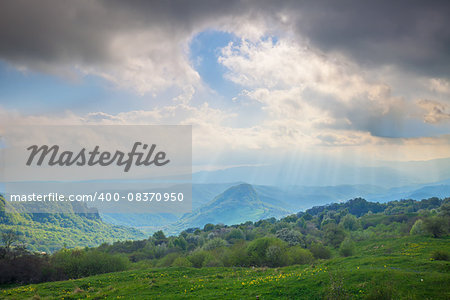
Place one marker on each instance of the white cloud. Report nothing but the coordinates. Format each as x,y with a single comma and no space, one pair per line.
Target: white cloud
439,85
296,81
146,61
435,112
287,63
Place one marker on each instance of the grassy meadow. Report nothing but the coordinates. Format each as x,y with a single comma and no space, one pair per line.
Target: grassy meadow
396,268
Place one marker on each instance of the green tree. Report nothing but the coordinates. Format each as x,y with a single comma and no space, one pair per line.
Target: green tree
197,258
208,227
181,262
320,251
214,243
435,226
258,250
418,228
347,248
349,222
292,237
275,256
159,237
235,234
333,235
9,238
298,256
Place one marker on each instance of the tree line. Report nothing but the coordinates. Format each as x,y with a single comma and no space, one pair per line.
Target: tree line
315,234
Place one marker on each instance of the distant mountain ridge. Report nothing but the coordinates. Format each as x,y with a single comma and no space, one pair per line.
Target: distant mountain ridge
274,201
235,205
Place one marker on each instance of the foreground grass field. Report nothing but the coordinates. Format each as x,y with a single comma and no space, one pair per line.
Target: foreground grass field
381,269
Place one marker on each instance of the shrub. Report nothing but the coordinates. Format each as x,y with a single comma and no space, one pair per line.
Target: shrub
81,263
347,248
440,255
349,222
298,256
159,250
181,262
258,251
211,261
417,228
197,258
292,237
435,226
235,234
168,260
214,243
27,268
333,235
274,256
320,251
236,256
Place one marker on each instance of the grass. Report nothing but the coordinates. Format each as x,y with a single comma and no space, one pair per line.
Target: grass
399,268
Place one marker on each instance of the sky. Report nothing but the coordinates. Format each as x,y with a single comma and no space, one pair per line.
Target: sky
259,81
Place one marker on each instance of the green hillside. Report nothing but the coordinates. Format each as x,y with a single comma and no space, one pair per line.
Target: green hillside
48,231
351,250
380,269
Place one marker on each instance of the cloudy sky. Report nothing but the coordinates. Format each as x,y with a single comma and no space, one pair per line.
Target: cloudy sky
354,80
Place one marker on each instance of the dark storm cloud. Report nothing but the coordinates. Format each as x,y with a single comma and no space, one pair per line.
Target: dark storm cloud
46,32
411,34
54,31
365,116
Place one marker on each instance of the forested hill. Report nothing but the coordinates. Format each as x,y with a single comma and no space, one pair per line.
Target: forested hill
49,232
319,231
360,206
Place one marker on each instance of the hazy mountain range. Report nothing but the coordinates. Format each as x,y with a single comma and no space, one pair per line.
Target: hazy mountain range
318,172
241,194
232,203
